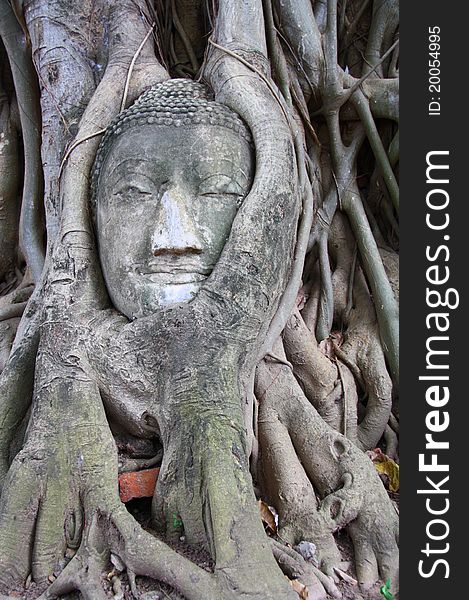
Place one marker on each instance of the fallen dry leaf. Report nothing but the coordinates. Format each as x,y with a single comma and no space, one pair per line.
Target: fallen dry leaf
299,588
267,516
386,465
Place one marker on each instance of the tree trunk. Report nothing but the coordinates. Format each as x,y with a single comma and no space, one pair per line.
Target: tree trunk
267,382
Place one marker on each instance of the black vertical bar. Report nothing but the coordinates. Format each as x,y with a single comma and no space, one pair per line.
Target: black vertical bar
433,119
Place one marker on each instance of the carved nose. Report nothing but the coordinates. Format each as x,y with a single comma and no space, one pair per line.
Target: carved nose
175,231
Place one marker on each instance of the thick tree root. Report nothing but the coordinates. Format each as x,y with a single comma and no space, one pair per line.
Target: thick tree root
35,496
295,567
62,488
141,554
61,492
358,354
309,454
205,491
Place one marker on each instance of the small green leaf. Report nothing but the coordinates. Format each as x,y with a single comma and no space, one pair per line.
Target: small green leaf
177,522
385,590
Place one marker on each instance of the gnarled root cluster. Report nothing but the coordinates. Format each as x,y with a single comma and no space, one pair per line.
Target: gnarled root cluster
60,498
320,481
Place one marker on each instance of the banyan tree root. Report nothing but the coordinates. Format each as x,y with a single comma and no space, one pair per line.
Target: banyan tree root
320,482
61,492
27,93
330,373
295,566
327,383
61,489
12,307
362,343
204,490
75,477
10,179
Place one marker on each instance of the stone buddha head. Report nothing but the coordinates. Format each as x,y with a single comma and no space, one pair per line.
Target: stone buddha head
169,177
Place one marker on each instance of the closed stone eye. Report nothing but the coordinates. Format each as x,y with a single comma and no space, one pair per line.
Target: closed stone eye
220,184
131,191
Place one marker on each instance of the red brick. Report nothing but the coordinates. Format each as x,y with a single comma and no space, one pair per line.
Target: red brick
137,484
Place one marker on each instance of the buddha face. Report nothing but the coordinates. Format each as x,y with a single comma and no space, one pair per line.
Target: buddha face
167,197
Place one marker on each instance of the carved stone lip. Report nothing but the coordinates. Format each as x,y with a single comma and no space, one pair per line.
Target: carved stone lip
179,278
177,269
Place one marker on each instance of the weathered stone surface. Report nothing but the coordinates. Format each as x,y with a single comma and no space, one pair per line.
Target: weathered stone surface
169,178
